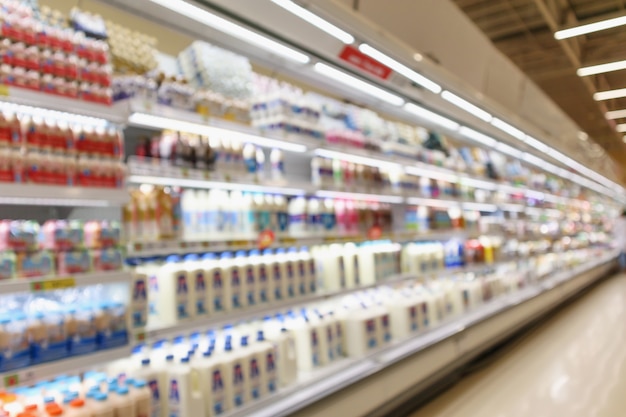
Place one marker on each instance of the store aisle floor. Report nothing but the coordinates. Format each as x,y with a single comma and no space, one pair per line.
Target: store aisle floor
574,365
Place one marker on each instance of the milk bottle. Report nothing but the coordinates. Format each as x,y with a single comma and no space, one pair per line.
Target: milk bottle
235,361
211,372
311,268
282,215
404,315
233,288
142,398
326,331
254,370
297,216
286,262
261,276
124,404
215,282
307,338
269,362
351,262
184,397
361,330
333,267
302,271
248,273
276,276
101,406
150,378
196,274
284,346
173,292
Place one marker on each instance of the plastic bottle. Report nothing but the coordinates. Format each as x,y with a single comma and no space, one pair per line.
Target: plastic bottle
278,166
184,396
101,406
262,274
275,276
361,331
281,210
284,345
306,339
233,286
142,398
249,158
264,214
216,283
190,208
260,164
254,370
280,269
351,262
314,217
151,383
211,371
249,273
235,362
328,217
196,275
212,213
124,404
173,293
310,266
297,216
302,271
326,336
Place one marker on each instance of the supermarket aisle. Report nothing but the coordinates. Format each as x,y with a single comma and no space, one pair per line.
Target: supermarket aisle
574,365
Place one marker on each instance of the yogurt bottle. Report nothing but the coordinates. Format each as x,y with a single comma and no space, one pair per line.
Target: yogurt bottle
198,280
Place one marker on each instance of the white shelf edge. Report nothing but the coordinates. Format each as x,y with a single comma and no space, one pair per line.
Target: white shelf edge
40,194
93,278
49,370
331,379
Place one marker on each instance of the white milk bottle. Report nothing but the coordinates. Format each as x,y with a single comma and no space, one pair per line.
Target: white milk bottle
314,217
173,292
367,265
307,342
351,262
142,398
311,268
404,315
211,372
260,274
255,372
196,275
151,379
284,346
213,215
282,215
233,288
361,330
276,276
124,404
297,217
249,277
302,272
235,362
269,361
288,262
138,307
215,282
101,406
184,397
334,271
327,333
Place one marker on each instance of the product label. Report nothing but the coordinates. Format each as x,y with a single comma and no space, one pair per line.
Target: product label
330,340
174,400
297,219
370,333
236,287
278,279
302,277
182,296
255,379
329,221
55,284
153,385
466,299
217,389
263,283
413,319
270,371
357,272
290,280
338,339
139,301
238,384
342,272
283,221
386,328
315,356
200,285
312,276
425,314
250,285
218,290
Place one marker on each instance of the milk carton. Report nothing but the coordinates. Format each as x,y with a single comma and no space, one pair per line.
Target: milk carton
215,280
234,297
249,277
184,398
198,280
211,373
235,362
173,292
284,345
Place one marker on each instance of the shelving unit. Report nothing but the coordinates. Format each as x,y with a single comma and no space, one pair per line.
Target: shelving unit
20,285
51,195
46,371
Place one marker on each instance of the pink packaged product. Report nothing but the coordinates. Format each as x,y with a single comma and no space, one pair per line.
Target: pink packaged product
73,262
18,235
62,235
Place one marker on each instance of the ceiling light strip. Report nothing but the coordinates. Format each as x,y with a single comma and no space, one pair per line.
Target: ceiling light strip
431,116
207,185
358,159
508,128
467,106
358,84
478,137
315,20
361,197
615,114
216,22
158,122
609,94
46,114
590,28
601,69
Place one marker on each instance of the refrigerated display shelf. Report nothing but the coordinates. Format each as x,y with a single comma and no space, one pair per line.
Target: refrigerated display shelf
60,195
19,285
155,333
319,384
50,370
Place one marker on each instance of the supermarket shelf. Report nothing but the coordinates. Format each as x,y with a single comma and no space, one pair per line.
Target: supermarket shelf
46,371
324,382
43,100
206,323
50,195
249,242
60,282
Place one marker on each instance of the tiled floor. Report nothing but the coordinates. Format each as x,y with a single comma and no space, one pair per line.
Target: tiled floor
574,365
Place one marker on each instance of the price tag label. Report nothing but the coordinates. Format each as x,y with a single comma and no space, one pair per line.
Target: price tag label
140,337
11,380
51,285
4,90
238,244
288,241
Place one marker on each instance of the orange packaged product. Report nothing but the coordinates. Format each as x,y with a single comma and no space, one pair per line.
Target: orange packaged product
10,132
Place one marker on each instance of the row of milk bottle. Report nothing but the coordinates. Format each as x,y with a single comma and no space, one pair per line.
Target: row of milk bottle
344,266
181,288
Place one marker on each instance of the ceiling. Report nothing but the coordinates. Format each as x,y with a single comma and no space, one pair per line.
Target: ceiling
523,30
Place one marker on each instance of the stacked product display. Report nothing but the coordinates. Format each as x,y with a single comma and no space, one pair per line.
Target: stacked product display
257,237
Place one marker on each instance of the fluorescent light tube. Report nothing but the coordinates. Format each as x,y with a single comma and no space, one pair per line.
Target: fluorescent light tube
429,173
158,122
203,184
467,106
417,201
51,202
507,128
400,68
316,21
615,114
206,18
535,143
590,28
621,128
359,196
602,68
431,116
509,150
358,84
357,159
478,137
610,94
46,114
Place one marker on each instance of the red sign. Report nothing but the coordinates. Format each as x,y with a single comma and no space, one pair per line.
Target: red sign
370,65
266,239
